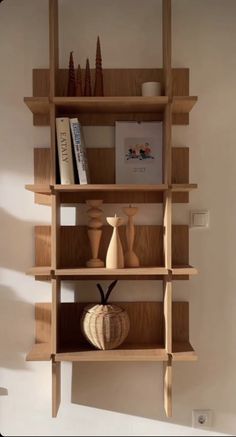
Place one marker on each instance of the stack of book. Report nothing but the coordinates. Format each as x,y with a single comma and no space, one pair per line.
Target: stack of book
72,155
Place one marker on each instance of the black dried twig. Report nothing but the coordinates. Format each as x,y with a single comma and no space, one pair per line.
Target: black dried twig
105,297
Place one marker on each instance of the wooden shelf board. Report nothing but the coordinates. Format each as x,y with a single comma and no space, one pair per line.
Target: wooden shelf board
37,105
124,353
76,188
181,188
39,352
39,271
103,272
109,187
184,270
183,104
112,104
183,351
117,104
40,189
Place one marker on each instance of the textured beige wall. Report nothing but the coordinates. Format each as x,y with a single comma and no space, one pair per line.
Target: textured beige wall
121,399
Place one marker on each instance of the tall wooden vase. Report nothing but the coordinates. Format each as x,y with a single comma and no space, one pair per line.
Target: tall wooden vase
131,259
115,256
94,232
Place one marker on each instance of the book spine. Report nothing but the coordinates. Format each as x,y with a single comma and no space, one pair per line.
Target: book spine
80,151
64,148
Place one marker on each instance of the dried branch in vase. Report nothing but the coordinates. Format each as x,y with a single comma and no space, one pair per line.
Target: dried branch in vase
87,84
98,86
71,88
79,88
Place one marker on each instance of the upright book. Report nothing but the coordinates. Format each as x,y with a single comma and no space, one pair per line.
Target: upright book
64,148
80,151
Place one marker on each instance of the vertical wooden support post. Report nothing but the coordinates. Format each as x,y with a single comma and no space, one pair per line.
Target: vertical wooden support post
56,367
55,228
53,69
168,387
56,387
56,300
55,231
53,47
167,202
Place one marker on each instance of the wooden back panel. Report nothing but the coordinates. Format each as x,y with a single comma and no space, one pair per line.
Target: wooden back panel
75,249
117,82
101,163
146,323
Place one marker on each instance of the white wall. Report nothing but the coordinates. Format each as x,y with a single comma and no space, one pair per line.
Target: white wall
121,399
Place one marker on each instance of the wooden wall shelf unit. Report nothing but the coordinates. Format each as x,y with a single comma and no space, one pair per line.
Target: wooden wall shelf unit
159,330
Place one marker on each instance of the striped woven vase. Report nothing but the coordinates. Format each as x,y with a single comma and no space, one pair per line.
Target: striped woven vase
105,326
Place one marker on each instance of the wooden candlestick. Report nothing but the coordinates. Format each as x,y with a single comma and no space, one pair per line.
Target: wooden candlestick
94,232
115,256
79,88
87,80
71,88
131,259
98,85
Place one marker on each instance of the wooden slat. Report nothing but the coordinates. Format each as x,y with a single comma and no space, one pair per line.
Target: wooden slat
146,332
103,272
183,351
167,291
42,247
55,231
105,157
75,237
184,270
117,81
167,235
183,187
123,104
183,105
180,246
53,47
40,352
168,387
56,387
56,299
109,187
39,271
43,320
133,353
53,148
166,44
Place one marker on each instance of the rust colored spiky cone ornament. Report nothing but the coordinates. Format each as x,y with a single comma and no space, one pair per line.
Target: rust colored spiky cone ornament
79,89
87,84
98,86
71,89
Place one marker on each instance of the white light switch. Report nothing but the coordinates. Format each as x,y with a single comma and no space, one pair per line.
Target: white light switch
199,219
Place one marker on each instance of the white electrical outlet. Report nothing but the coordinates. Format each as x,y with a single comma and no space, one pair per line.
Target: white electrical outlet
202,418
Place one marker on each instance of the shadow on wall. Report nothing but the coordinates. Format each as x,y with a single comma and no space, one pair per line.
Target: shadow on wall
3,391
15,326
121,387
14,235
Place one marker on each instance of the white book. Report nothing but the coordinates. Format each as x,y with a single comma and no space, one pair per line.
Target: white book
80,151
64,148
139,153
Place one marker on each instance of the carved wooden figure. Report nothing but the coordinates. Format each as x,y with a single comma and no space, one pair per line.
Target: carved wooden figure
87,81
131,259
115,256
94,232
98,86
79,87
71,88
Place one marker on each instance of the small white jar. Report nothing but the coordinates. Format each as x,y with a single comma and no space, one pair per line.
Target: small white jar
150,89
